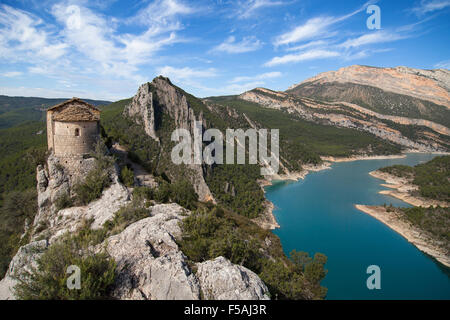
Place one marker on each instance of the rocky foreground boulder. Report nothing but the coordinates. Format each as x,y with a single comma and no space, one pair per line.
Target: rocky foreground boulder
24,259
222,280
151,266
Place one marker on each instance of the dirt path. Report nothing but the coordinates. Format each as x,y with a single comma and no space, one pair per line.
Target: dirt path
141,176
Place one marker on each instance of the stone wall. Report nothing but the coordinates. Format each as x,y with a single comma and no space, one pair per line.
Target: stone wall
74,138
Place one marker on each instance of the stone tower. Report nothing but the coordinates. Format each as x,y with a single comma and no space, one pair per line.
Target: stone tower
72,129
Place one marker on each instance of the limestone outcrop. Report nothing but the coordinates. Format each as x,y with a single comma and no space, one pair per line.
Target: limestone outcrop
161,96
54,181
430,85
350,115
222,280
23,260
150,264
142,111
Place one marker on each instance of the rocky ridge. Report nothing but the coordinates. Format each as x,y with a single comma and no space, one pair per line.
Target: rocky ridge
342,114
150,264
161,96
431,85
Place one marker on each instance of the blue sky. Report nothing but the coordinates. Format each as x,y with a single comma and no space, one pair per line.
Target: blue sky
104,49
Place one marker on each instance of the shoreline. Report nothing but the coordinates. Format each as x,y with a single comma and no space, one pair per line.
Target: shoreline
268,220
401,189
357,158
412,234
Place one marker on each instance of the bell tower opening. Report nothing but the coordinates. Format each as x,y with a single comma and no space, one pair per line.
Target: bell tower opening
77,132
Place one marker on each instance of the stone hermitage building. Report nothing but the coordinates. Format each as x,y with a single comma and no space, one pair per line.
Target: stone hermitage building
73,128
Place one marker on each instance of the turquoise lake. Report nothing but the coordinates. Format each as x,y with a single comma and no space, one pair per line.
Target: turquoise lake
317,214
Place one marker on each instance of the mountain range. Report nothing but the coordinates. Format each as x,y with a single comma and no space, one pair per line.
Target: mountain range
356,111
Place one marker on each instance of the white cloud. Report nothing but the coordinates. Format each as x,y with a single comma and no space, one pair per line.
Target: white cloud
314,28
106,51
231,46
302,56
186,73
430,6
23,34
248,8
311,44
241,87
371,38
12,74
162,12
259,77
80,45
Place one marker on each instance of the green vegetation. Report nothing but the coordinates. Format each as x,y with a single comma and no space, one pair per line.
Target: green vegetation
127,176
21,149
234,187
180,192
303,141
211,231
435,221
97,179
92,186
399,170
18,207
432,177
48,280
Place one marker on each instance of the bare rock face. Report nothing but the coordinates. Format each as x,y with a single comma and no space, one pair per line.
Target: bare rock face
23,260
222,280
142,110
355,117
98,211
151,266
161,96
431,85
53,181
150,263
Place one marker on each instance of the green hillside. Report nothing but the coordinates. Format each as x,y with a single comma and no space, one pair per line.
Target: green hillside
305,141
375,99
16,110
432,177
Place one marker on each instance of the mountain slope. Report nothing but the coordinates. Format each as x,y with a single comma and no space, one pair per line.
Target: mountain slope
416,134
400,91
147,121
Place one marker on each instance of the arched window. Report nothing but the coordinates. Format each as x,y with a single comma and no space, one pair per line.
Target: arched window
77,132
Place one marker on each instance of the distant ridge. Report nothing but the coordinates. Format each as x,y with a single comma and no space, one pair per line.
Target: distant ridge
15,109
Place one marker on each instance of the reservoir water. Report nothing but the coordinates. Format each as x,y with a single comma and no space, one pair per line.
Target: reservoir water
317,214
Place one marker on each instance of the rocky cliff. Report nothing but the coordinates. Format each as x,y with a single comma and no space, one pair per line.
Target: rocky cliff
161,98
430,85
150,264
428,136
